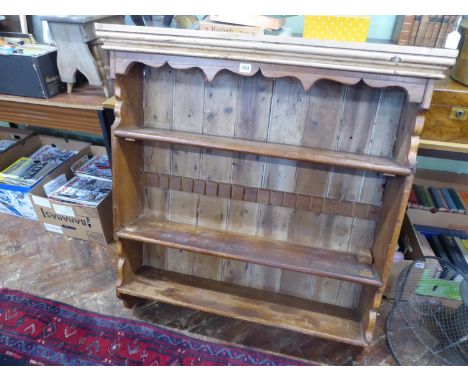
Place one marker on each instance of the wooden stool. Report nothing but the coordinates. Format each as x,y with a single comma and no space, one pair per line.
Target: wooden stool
78,49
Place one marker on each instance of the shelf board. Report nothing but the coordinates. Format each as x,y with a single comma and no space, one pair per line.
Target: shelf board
252,249
278,150
287,312
456,147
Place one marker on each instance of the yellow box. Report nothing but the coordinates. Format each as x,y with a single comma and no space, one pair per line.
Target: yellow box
338,28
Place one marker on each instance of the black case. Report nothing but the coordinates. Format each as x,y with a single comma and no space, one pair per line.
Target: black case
29,76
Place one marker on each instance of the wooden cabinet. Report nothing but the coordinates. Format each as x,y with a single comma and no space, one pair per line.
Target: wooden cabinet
267,179
446,126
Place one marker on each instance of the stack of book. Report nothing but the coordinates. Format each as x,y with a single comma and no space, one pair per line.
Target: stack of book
448,244
438,199
424,30
27,171
90,185
5,143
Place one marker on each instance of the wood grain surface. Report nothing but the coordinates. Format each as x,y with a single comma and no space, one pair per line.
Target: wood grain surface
439,126
84,97
215,297
256,110
278,254
239,154
339,158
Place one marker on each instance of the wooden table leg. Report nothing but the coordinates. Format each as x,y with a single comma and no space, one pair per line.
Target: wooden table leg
106,118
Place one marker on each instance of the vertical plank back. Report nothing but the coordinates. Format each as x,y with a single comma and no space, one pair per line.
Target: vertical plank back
358,113
158,101
187,106
385,127
219,118
329,115
287,118
253,116
321,130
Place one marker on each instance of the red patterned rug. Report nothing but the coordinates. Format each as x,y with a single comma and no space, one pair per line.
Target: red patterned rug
38,331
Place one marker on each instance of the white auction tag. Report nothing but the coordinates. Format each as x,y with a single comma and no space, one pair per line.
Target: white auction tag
63,210
41,201
53,228
245,68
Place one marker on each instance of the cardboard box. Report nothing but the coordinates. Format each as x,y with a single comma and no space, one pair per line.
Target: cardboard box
15,200
30,70
415,245
17,135
73,220
220,27
392,281
439,219
264,22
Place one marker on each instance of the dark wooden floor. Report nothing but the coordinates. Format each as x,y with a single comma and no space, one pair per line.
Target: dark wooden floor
82,274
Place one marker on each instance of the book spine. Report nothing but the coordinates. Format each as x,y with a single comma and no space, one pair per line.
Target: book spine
419,195
440,42
429,31
428,230
448,199
438,199
453,252
462,248
422,30
465,243
405,31
412,200
464,198
456,200
437,24
424,198
428,197
397,28
439,251
414,30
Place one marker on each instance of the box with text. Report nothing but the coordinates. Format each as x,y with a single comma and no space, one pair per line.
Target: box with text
92,223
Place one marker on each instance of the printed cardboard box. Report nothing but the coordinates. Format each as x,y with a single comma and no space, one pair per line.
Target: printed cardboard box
73,220
15,200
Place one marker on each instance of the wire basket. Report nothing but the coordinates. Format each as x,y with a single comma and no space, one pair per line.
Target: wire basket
428,324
